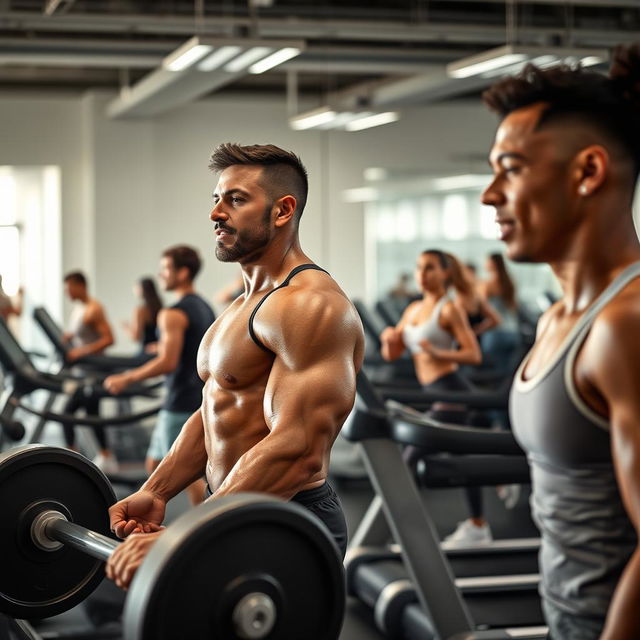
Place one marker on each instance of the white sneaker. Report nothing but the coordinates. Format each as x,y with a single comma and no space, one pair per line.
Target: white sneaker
469,534
509,494
106,464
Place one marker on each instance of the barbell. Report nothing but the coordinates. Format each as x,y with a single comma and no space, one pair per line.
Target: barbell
247,566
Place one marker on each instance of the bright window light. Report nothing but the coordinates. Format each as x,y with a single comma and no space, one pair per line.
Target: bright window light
8,205
455,223
386,224
274,59
488,226
219,57
247,58
430,217
10,259
186,55
374,120
406,221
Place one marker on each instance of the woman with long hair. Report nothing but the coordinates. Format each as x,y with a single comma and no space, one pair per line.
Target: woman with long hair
481,314
502,344
143,327
438,335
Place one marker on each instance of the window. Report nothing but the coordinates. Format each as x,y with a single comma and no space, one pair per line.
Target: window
9,233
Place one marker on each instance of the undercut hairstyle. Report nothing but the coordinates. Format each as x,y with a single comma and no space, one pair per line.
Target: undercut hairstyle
282,171
609,104
76,277
184,256
441,255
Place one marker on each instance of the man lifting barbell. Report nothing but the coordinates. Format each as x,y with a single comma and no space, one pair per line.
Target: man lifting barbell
279,364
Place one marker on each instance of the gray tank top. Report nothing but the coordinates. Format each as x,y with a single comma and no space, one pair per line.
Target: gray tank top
587,537
82,333
413,334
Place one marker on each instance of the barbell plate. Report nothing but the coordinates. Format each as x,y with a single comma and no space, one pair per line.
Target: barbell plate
212,556
35,583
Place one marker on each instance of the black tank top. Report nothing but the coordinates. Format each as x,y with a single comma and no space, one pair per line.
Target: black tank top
149,333
294,271
184,386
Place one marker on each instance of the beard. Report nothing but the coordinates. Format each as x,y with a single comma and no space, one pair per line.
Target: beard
249,243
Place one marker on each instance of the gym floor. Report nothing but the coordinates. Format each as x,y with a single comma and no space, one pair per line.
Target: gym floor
447,507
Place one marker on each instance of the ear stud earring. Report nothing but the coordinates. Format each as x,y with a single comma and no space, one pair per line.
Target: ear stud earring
583,190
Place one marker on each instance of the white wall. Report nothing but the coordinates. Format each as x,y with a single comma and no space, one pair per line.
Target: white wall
131,188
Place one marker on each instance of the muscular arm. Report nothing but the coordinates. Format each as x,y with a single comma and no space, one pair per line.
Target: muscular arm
613,356
310,391
185,462
96,318
172,323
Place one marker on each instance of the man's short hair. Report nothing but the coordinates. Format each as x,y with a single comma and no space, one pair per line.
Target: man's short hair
76,277
283,172
609,104
184,256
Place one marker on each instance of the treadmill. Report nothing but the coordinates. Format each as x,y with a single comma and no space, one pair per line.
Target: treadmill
412,586
99,362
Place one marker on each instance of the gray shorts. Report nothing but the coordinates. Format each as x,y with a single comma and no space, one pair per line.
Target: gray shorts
569,626
165,432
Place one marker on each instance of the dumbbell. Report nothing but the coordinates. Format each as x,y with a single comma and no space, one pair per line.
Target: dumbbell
242,567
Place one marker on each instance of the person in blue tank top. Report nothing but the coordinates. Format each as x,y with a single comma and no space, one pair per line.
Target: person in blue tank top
180,328
279,365
565,159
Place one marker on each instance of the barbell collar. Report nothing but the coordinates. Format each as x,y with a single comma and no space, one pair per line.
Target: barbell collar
50,528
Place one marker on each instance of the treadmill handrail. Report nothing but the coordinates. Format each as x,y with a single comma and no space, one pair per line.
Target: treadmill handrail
410,427
88,421
478,399
98,360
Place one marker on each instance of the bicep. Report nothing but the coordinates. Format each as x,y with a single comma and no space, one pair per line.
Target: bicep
311,385
101,324
172,325
309,404
612,356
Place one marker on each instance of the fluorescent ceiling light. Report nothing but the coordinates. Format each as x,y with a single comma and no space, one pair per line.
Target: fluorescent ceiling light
342,117
312,119
374,120
186,54
247,58
488,61
219,57
274,59
589,61
512,58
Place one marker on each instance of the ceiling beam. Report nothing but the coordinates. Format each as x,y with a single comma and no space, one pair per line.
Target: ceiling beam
334,30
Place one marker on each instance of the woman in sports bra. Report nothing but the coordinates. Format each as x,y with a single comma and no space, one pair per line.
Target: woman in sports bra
437,333
433,329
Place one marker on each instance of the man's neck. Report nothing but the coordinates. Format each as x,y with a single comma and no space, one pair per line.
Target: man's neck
184,290
272,267
594,258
